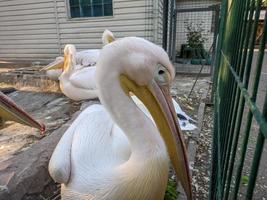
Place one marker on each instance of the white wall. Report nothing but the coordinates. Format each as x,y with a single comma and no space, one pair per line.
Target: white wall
39,29
27,29
129,19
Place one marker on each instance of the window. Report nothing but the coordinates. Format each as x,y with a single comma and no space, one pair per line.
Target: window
90,8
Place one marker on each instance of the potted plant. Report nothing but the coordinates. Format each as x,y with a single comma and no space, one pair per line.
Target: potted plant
194,47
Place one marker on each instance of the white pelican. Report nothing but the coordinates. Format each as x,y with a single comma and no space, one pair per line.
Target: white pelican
83,59
10,111
115,151
86,58
73,73
73,77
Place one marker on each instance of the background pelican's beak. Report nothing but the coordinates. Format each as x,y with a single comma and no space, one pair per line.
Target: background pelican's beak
57,64
158,101
9,111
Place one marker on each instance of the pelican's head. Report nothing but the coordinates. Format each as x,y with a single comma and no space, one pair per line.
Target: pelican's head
69,57
9,111
108,37
145,70
63,63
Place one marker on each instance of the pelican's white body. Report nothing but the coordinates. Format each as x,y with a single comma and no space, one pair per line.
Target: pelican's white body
77,82
84,58
89,161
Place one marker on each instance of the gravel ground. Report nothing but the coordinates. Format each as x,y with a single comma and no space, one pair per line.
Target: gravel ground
201,171
201,166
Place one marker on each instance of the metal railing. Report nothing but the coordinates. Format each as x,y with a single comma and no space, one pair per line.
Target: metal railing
235,51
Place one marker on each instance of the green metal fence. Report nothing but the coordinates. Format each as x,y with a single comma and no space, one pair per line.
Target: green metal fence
239,20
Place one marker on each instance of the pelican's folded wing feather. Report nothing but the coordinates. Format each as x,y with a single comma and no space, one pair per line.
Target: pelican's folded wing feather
60,161
59,165
84,78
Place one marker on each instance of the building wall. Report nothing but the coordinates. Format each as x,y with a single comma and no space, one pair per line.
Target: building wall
27,29
206,18
39,29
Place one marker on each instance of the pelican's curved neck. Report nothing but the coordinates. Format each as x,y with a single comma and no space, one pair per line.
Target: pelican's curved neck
69,63
139,129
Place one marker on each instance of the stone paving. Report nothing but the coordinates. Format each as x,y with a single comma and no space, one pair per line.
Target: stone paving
49,108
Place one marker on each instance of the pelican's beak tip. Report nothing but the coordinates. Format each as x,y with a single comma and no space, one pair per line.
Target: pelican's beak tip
42,129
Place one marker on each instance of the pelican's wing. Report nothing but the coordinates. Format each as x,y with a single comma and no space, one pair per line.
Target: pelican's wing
87,57
60,162
84,78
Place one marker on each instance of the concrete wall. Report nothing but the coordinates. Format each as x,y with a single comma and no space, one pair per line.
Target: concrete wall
39,29
206,18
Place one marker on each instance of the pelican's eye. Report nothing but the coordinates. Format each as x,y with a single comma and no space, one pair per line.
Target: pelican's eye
162,76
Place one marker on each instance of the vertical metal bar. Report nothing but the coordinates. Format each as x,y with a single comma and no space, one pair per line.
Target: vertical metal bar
249,117
165,24
219,188
174,36
215,153
255,166
226,73
216,33
233,85
171,28
228,144
260,139
238,92
241,69
242,100
233,34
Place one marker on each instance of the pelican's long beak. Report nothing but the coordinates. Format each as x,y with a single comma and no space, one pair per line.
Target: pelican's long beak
9,111
158,101
57,64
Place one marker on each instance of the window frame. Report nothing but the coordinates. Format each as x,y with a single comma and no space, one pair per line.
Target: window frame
67,3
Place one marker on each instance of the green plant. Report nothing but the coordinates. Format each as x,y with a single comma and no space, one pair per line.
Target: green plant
264,3
195,35
171,193
244,180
